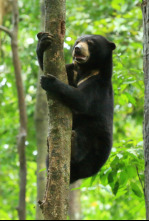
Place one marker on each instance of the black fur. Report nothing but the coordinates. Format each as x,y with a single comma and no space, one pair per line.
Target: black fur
91,102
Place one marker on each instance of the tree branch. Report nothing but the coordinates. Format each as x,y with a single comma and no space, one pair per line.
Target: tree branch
6,30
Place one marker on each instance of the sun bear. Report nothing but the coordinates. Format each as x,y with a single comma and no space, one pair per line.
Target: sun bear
90,97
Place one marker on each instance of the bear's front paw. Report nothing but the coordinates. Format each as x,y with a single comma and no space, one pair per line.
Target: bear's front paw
45,41
46,81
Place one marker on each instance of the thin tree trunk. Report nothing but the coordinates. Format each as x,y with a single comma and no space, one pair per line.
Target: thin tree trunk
75,201
1,12
22,109
55,203
145,8
1,17
41,123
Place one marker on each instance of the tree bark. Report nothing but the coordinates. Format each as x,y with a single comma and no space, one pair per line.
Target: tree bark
1,16
22,109
55,203
1,12
145,8
75,201
5,8
41,124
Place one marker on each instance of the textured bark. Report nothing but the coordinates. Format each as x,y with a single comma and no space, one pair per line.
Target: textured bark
145,8
75,202
55,203
22,109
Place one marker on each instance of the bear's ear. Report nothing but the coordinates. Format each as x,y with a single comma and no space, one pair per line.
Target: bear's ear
113,46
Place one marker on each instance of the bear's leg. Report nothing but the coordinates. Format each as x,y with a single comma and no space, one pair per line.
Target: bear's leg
79,146
95,158
86,168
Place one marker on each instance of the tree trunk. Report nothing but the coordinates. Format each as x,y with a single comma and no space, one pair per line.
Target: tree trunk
145,8
55,203
5,7
41,123
13,34
1,19
1,12
75,202
22,111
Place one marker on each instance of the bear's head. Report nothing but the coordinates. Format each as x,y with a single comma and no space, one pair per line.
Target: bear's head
92,51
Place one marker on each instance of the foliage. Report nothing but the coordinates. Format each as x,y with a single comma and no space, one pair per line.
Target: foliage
117,192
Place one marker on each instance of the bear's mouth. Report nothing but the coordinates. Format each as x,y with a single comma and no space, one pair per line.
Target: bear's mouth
81,53
80,58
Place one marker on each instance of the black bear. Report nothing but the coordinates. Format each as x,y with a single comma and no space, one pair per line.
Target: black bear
90,97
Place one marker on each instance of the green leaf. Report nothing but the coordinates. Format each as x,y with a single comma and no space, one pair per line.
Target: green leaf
136,190
116,188
110,178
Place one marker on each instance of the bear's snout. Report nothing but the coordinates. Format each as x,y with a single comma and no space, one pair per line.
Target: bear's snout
78,50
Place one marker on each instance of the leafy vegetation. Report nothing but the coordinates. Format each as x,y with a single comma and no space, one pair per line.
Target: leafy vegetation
117,192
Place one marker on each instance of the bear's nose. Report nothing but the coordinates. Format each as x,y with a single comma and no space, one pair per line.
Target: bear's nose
77,50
